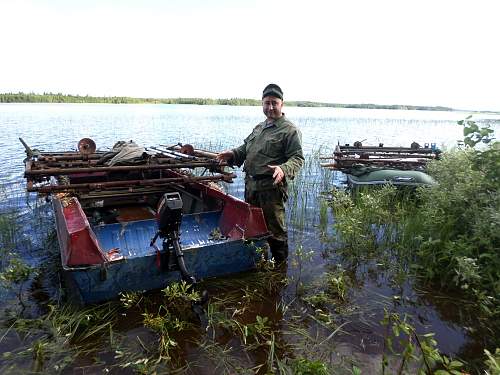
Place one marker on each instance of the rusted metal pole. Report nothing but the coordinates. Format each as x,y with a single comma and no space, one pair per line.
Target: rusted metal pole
383,160
29,151
384,149
123,168
129,183
76,157
201,153
378,155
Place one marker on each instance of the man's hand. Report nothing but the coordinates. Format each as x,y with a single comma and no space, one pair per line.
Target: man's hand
224,156
278,173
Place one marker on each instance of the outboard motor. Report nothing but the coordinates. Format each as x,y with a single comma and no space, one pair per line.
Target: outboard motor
169,214
169,218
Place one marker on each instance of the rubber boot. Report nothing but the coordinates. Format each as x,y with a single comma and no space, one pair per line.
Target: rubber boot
279,250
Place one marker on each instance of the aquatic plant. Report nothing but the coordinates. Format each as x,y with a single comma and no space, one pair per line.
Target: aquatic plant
16,272
130,299
492,362
300,259
418,353
366,223
8,230
51,342
180,291
164,323
303,366
337,283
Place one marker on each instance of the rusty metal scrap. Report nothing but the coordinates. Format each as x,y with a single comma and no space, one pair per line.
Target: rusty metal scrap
83,171
129,183
407,158
37,170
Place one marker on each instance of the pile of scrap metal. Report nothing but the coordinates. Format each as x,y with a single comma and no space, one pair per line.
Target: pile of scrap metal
126,167
376,165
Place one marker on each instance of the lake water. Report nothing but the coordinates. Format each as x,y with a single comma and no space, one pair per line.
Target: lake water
57,127
60,126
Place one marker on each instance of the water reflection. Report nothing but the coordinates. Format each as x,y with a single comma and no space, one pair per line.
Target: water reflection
60,126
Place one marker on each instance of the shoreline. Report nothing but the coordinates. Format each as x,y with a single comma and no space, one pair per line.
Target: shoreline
64,98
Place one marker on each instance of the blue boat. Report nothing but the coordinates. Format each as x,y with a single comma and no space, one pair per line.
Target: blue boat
133,228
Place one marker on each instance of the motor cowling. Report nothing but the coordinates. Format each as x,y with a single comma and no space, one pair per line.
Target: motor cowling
169,214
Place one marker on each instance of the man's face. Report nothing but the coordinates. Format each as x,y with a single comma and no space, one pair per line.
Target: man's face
272,107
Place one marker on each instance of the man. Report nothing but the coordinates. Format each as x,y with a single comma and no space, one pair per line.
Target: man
272,154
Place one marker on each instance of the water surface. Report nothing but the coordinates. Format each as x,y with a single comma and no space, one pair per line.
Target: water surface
57,127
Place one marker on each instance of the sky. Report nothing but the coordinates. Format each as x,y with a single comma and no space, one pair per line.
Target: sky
439,52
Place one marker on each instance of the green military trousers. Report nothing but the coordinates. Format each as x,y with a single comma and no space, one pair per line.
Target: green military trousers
272,202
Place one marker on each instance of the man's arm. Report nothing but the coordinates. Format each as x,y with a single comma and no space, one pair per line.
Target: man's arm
239,154
293,154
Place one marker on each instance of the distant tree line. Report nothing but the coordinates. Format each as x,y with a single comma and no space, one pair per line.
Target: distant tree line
21,97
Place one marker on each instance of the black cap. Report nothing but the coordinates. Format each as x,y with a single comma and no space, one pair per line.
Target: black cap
272,90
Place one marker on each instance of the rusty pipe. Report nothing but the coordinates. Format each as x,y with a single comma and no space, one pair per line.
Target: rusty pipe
124,168
128,183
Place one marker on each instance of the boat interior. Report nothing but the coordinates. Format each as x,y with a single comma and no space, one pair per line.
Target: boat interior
112,207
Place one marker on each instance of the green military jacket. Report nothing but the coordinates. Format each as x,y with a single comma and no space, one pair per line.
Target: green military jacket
278,143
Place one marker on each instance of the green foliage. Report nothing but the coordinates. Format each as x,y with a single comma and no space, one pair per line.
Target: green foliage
473,134
177,293
448,232
492,362
460,237
258,330
300,259
52,341
415,350
7,232
318,300
337,283
171,318
21,97
303,366
486,160
165,324
17,271
9,229
130,299
365,222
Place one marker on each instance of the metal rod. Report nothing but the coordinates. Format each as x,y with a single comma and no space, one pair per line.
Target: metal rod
382,149
47,157
380,160
129,183
124,168
175,153
375,155
197,152
29,151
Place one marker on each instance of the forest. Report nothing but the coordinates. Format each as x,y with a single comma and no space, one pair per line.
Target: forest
21,97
